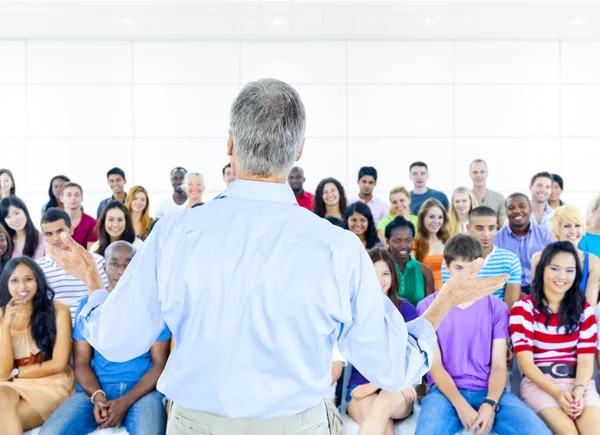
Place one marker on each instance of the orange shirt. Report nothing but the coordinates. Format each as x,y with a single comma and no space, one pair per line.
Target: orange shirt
435,264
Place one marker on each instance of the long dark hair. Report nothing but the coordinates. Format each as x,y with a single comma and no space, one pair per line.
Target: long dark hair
43,317
573,301
319,207
31,234
371,233
103,237
52,199
379,254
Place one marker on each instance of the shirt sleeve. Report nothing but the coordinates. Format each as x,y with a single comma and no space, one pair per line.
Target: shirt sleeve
126,323
387,351
515,271
588,332
76,333
91,236
337,355
446,274
521,326
597,312
502,208
500,329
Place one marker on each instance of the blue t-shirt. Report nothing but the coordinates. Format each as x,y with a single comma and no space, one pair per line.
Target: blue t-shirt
109,372
417,200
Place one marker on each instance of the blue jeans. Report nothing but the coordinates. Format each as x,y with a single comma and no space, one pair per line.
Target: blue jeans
76,416
438,416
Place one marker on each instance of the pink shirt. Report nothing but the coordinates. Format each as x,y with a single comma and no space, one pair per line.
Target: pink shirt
40,250
379,208
84,232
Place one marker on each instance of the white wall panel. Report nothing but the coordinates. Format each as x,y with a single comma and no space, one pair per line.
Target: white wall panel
13,110
12,62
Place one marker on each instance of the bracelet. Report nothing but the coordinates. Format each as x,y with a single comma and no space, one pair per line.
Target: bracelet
578,385
94,395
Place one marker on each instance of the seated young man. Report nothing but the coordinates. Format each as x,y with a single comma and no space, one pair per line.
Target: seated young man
110,394
483,224
468,374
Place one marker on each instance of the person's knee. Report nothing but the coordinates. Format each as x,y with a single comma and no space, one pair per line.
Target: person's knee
9,399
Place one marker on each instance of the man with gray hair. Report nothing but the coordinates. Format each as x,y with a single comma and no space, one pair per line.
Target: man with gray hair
256,291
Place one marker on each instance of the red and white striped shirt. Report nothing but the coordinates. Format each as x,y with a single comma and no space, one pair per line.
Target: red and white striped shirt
551,344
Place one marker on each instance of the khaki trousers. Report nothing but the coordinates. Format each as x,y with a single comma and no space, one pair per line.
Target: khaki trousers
184,421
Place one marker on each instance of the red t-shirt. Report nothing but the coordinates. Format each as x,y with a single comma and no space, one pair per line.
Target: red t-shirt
84,232
306,200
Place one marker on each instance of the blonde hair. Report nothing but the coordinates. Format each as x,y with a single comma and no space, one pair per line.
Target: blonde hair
145,220
422,237
395,190
565,213
595,204
453,219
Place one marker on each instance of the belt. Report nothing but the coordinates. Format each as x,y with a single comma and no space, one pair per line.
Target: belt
29,360
560,370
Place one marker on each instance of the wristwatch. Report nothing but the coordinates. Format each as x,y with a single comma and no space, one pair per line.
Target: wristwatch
15,373
495,406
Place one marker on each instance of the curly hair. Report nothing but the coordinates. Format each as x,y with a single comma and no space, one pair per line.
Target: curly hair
319,208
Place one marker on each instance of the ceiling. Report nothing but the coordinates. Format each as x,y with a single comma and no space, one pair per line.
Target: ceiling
332,20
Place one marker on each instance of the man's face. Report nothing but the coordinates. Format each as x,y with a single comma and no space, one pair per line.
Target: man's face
518,211
229,176
479,174
296,180
71,198
484,228
117,263
52,231
458,265
177,181
541,189
116,184
419,176
366,184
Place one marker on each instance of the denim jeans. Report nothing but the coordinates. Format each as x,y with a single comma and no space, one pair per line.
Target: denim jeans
76,416
438,416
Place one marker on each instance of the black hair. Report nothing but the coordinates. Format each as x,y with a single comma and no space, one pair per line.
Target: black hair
319,207
367,170
116,171
482,211
228,165
51,198
572,303
55,214
559,180
13,189
31,234
516,195
423,164
335,221
103,237
43,317
462,245
371,237
399,222
178,169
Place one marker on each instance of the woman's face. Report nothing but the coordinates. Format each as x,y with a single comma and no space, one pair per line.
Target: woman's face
139,202
556,191
5,184
434,219
331,194
3,244
462,203
571,232
194,187
559,274
401,243
400,203
15,219
358,224
22,284
385,276
115,223
56,185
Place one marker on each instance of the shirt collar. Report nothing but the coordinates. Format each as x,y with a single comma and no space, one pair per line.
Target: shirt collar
260,191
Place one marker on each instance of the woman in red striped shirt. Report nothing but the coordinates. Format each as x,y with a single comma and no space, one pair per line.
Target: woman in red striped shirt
554,334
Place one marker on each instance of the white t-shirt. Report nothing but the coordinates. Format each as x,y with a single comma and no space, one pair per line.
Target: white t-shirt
337,356
168,206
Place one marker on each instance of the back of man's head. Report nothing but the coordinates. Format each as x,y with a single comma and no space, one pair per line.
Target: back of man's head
463,247
119,245
267,125
55,214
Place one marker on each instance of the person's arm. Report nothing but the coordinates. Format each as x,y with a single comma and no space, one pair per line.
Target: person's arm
82,366
336,371
591,289
512,292
429,281
498,373
7,359
535,259
125,324
61,351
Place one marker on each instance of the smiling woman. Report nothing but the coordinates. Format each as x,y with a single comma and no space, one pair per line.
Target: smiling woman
26,240
114,224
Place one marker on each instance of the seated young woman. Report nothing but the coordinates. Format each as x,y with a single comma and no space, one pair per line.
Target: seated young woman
554,334
114,224
35,342
359,219
372,408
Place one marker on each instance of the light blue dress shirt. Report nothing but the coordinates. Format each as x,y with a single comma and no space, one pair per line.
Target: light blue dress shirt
256,290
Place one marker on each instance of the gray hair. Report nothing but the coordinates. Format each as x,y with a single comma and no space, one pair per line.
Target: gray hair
267,123
119,244
193,174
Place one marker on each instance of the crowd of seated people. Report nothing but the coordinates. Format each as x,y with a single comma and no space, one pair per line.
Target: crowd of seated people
417,239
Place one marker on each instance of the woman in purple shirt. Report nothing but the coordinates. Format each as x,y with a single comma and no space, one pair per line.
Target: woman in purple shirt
368,405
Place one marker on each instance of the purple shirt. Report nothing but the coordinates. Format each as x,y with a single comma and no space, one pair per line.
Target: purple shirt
409,313
378,207
465,339
534,241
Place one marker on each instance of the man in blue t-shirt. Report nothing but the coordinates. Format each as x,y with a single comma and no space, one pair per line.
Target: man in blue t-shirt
419,174
108,393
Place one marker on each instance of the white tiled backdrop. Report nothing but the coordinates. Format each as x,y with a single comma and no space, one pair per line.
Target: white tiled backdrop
81,107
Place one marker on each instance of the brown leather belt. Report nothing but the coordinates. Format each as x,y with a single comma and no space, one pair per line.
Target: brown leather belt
32,359
560,370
